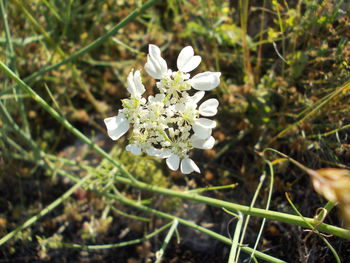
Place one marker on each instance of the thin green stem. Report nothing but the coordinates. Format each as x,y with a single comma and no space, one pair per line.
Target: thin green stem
280,22
12,143
213,188
119,212
161,251
257,191
347,126
7,31
282,217
121,244
235,247
267,204
315,230
52,9
244,8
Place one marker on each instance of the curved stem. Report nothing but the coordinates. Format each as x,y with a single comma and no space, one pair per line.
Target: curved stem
117,245
258,212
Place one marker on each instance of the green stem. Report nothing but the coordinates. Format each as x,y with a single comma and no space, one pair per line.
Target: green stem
122,244
234,253
160,253
267,204
119,212
315,230
11,124
280,22
257,191
282,217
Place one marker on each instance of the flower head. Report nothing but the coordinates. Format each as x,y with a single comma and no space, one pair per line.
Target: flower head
169,124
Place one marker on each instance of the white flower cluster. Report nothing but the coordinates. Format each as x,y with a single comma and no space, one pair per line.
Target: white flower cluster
169,124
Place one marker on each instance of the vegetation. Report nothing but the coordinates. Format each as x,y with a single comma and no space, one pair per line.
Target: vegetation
273,189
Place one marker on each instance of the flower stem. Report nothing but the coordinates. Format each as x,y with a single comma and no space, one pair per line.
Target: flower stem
268,214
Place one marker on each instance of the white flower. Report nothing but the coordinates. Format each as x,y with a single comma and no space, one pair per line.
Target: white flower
117,126
169,124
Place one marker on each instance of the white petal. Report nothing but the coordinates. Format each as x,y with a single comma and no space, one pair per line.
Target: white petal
117,126
205,81
173,162
159,153
197,96
151,151
201,132
206,123
204,144
188,166
131,85
135,86
209,107
186,60
140,88
203,128
163,154
134,149
156,66
150,69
